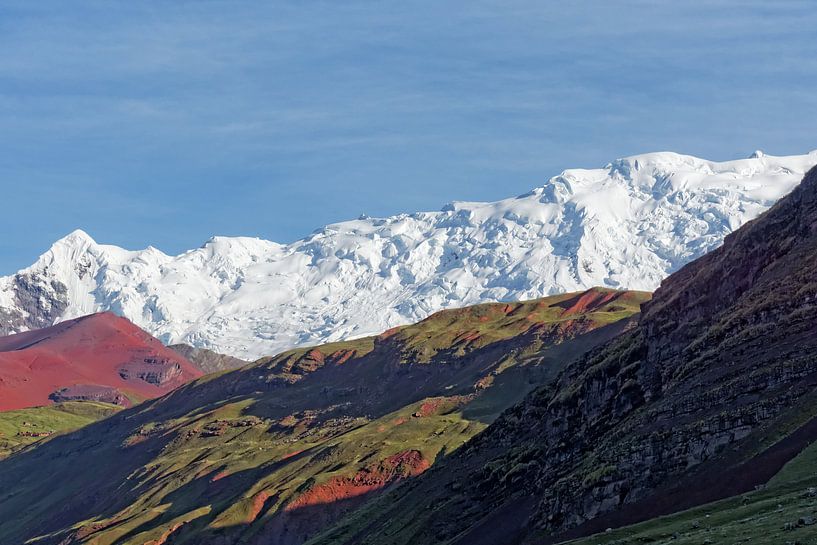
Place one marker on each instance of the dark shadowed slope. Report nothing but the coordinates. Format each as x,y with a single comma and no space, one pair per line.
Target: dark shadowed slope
709,396
99,357
276,451
784,511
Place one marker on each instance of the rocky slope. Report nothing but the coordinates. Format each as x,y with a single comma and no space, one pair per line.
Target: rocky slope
206,360
783,511
709,397
626,225
276,451
100,357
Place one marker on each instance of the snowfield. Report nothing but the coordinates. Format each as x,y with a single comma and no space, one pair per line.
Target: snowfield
627,225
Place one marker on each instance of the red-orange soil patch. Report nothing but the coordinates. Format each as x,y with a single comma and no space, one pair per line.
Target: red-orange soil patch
291,454
374,477
258,502
162,539
220,475
588,301
342,356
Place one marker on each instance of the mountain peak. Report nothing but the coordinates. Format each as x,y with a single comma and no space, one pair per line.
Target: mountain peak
626,225
65,253
75,238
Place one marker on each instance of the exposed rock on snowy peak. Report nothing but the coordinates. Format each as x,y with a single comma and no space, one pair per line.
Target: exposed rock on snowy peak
627,225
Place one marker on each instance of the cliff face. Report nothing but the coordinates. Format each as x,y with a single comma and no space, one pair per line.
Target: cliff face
706,398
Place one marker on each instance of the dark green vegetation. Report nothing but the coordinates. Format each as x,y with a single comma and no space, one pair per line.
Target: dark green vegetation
707,398
274,452
25,426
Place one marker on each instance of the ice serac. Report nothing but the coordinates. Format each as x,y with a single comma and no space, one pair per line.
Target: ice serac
627,225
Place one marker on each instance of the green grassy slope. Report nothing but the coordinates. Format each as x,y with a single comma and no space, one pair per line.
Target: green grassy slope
276,451
26,426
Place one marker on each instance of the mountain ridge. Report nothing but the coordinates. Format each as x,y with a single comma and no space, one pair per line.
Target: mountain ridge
626,225
708,397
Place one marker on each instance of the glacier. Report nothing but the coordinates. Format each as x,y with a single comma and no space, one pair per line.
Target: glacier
626,225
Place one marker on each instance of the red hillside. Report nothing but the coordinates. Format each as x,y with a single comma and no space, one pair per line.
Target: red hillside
100,356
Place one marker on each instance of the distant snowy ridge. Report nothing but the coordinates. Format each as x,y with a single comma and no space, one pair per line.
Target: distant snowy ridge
626,225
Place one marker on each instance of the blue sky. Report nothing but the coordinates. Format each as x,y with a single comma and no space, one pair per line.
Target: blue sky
165,123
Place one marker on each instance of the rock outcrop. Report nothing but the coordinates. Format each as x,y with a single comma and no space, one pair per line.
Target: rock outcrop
90,392
37,302
206,360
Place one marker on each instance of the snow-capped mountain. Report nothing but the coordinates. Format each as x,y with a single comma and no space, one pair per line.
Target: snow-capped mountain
628,224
